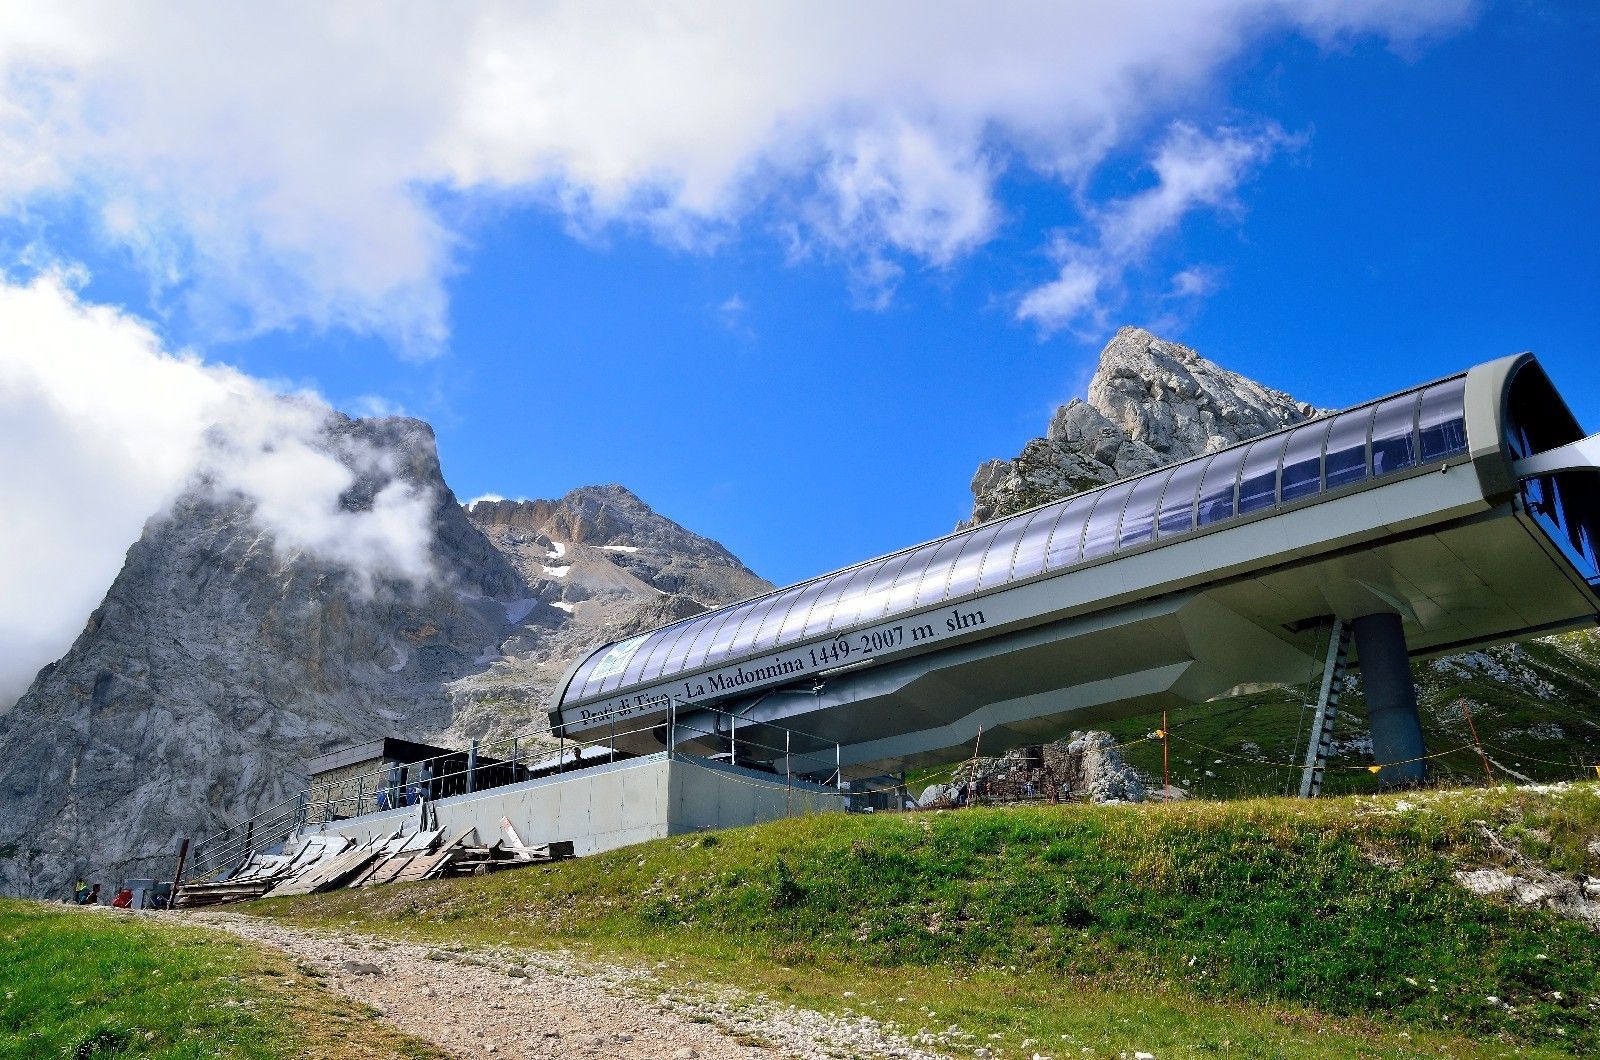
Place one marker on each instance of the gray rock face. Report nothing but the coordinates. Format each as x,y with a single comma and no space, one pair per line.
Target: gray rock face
216,663
1150,402
1087,766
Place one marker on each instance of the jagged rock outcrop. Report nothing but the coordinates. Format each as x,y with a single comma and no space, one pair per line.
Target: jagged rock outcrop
1150,402
1086,766
218,662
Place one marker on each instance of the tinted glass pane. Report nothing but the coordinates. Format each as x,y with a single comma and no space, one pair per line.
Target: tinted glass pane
876,599
903,595
768,635
795,621
722,640
1444,420
1258,483
613,668
964,575
1302,460
1216,489
1177,503
577,688
637,663
930,589
822,610
996,566
849,605
746,633
1101,536
1030,550
1394,436
1066,541
1346,461
670,661
1139,520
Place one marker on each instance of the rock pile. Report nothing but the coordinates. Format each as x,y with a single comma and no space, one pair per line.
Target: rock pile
1084,767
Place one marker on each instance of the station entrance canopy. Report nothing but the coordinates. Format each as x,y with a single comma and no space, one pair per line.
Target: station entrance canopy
1468,507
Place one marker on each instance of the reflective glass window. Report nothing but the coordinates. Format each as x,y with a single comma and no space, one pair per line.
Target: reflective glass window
768,635
930,589
695,654
822,611
578,687
636,665
1100,536
1030,550
996,566
1444,420
745,635
1302,460
1177,503
1216,489
1346,461
876,599
964,573
903,594
613,669
800,610
848,608
1258,482
651,664
669,660
1139,520
723,639
1066,539
1394,435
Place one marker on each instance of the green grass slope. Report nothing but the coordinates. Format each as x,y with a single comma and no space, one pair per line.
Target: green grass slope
1288,928
84,984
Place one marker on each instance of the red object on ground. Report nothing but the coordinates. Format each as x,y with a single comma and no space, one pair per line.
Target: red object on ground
123,900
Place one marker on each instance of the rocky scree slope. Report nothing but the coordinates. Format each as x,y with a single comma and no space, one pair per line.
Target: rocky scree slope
218,662
1151,402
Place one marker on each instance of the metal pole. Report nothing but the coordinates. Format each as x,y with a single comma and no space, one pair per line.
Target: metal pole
472,767
733,739
360,781
561,751
1166,768
177,875
838,767
788,776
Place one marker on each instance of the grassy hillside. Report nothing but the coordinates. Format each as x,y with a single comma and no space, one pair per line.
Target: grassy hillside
84,984
1330,928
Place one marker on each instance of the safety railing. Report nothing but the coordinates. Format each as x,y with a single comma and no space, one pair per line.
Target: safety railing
707,732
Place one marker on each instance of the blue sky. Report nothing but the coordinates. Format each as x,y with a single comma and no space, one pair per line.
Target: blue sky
803,370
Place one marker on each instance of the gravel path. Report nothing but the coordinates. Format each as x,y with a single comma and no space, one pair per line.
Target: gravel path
516,1003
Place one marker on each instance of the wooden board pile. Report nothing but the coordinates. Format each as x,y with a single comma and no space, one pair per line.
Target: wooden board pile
326,862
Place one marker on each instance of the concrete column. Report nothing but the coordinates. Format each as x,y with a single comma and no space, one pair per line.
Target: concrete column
1391,699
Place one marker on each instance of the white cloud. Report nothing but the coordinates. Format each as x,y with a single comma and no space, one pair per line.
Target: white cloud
274,164
1192,170
102,427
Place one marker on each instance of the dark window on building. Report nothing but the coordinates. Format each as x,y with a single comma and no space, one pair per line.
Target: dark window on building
1139,520
1258,482
1216,489
1302,460
1346,462
1177,503
1444,420
1101,535
1394,436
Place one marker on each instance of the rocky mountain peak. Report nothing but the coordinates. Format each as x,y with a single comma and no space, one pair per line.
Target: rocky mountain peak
1149,403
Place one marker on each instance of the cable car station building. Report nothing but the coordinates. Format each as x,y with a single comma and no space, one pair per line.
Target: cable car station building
1454,515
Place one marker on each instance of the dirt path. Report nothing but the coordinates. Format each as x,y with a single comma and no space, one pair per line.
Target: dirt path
525,1004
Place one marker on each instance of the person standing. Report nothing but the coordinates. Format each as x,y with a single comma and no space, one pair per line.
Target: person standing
80,892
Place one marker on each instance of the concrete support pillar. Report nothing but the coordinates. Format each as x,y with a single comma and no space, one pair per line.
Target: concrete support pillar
1391,699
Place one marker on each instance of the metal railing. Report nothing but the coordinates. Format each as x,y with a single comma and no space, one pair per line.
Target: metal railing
799,757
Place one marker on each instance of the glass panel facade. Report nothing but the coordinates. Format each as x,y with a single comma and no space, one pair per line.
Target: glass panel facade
1066,541
1444,420
1302,460
1258,482
964,572
1030,550
723,640
1216,489
1101,535
1394,436
1346,461
1139,520
767,636
1177,503
997,561
1326,454
930,588
903,596
844,612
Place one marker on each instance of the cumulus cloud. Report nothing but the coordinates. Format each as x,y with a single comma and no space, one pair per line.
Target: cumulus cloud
276,165
1192,170
102,427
